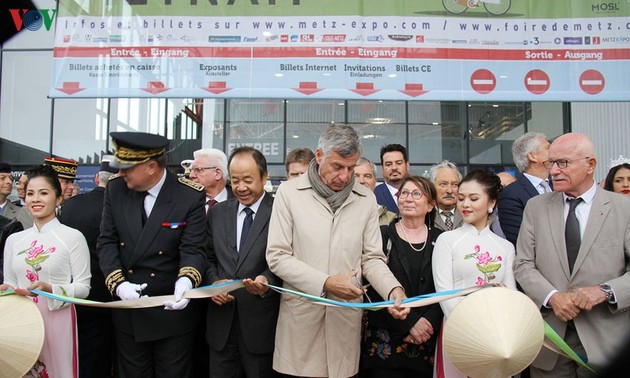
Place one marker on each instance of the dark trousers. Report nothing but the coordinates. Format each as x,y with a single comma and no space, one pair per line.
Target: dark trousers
235,361
167,358
96,342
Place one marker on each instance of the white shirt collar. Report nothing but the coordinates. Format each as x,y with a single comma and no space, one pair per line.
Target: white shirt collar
222,196
253,206
587,196
154,191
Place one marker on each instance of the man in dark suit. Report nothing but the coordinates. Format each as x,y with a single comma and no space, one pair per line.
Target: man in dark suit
7,227
572,260
152,242
210,169
241,325
529,151
95,329
446,177
7,208
395,168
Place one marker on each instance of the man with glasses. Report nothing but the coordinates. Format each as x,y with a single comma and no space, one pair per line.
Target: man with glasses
571,260
210,170
446,177
530,152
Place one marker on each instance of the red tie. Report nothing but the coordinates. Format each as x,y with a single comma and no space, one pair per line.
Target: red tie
210,203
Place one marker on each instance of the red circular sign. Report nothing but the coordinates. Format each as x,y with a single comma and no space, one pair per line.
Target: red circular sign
483,81
592,82
537,81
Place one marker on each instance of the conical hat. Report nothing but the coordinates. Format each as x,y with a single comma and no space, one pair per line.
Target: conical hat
21,335
493,333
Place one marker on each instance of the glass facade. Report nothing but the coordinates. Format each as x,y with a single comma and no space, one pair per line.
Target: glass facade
470,134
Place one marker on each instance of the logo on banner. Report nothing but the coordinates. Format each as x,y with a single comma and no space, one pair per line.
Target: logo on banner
572,40
400,37
611,7
32,19
334,38
307,38
225,38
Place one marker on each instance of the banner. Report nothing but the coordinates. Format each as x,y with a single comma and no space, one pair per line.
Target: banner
473,50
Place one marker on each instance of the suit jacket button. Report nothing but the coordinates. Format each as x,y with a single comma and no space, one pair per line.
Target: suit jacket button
152,274
160,253
130,271
122,244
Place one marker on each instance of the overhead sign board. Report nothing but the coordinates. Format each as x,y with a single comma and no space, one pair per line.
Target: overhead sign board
407,50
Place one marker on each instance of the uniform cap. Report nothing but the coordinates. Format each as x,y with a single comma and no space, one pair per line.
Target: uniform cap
105,167
65,168
133,148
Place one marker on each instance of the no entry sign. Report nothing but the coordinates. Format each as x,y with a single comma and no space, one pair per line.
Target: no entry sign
537,82
483,81
592,82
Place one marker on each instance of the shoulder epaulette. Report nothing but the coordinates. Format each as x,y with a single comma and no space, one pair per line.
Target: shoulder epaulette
113,177
195,185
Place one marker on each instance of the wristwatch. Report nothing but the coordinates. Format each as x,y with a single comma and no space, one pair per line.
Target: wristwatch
610,295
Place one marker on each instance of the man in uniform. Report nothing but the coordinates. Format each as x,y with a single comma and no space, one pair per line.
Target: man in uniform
67,172
152,242
95,330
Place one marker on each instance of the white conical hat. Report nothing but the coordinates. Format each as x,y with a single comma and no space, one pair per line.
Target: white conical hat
21,335
493,333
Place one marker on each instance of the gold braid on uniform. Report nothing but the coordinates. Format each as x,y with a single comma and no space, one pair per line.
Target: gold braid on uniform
114,279
195,185
191,273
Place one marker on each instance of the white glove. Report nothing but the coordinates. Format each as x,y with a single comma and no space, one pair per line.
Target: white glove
182,285
128,290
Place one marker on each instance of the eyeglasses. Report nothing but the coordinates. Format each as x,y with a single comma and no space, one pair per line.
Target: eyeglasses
201,169
416,194
561,163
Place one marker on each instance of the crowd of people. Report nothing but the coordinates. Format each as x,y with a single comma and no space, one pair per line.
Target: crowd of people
330,231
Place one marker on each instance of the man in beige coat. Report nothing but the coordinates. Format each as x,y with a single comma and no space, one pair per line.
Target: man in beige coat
323,238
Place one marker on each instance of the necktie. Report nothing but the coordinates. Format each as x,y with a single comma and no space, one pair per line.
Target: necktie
545,185
143,212
572,232
448,221
209,204
247,225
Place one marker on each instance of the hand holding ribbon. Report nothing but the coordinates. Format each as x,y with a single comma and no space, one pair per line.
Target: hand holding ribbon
128,290
182,285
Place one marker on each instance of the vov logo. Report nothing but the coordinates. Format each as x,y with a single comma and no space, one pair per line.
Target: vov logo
33,19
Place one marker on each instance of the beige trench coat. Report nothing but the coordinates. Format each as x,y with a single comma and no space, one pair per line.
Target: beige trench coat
307,243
